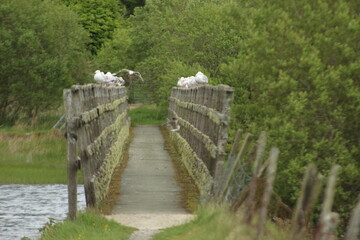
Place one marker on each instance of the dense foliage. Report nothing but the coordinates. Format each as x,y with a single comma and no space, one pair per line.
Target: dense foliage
297,76
99,17
131,5
42,50
294,66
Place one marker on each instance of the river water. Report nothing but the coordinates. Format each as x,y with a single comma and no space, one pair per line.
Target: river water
26,208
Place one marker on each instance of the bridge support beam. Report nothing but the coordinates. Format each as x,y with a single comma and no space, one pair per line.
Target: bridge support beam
71,156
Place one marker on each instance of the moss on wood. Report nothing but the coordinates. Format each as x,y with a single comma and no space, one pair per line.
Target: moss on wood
212,114
91,115
208,143
103,175
194,165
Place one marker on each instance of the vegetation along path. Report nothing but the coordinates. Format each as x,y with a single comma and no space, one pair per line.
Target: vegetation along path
149,195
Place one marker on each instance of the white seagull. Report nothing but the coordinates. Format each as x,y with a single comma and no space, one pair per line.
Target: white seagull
99,77
201,78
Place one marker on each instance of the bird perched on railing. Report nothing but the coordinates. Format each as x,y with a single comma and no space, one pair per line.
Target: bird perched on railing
193,81
128,73
99,77
108,79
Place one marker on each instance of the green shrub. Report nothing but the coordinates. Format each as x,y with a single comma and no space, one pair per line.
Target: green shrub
42,51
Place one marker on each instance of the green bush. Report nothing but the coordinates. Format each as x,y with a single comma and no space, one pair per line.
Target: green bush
42,51
99,18
298,74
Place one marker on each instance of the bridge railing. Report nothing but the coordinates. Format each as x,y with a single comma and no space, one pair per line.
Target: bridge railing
246,181
97,129
203,114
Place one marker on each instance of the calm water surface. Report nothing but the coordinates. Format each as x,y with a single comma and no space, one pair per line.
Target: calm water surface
26,208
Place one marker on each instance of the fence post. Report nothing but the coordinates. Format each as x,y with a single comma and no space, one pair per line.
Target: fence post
71,155
309,192
237,161
230,162
271,172
253,185
328,220
353,229
225,98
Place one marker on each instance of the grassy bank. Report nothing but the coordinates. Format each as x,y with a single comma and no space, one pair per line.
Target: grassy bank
32,158
148,114
33,154
217,223
89,226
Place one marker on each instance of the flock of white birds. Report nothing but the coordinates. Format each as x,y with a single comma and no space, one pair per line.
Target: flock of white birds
111,79
108,79
193,81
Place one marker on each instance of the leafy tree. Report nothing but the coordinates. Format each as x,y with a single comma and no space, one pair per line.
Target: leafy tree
167,35
116,54
42,51
99,17
296,76
131,5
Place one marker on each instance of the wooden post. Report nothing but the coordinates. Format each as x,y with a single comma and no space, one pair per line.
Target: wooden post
85,139
230,162
236,145
353,228
237,161
250,202
71,156
271,172
309,192
330,191
328,220
225,97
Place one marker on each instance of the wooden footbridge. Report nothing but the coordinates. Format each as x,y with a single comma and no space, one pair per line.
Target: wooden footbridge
98,124
98,128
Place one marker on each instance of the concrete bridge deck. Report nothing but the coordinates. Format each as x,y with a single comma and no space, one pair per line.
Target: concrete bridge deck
149,195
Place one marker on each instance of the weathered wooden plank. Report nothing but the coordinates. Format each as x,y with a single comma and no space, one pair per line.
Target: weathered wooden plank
353,228
271,172
309,192
71,156
230,162
93,110
250,202
224,103
237,162
328,219
202,125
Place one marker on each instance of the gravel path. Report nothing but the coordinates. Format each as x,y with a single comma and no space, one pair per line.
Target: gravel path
149,195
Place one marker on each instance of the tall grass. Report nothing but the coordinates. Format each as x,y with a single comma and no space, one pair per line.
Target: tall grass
88,226
36,158
214,223
43,122
148,114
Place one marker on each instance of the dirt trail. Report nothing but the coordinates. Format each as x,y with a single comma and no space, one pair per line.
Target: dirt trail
149,195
